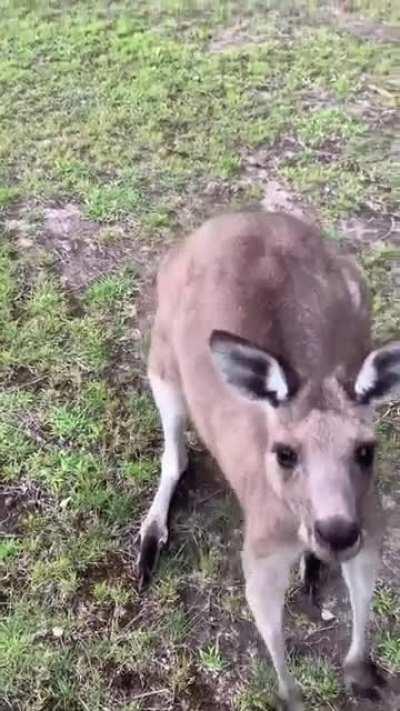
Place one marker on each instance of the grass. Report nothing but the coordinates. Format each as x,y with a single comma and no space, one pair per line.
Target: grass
100,139
386,603
318,680
135,113
257,695
389,651
211,659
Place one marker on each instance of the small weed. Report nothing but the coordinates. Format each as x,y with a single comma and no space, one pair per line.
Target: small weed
9,548
211,659
389,651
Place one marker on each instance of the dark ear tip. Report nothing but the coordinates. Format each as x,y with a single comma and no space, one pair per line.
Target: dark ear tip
219,338
214,336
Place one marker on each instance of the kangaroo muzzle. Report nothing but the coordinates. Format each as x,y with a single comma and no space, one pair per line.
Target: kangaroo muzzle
337,533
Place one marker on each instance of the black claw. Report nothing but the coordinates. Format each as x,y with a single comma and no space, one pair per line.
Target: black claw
366,680
376,674
148,557
370,694
312,577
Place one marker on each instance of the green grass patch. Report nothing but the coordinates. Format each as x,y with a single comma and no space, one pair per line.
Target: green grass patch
9,548
336,189
8,196
258,693
378,264
325,125
389,651
386,603
318,679
212,660
126,106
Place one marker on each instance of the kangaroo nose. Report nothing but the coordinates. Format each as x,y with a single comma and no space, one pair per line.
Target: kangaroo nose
336,532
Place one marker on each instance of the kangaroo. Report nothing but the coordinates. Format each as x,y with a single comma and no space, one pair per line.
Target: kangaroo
263,336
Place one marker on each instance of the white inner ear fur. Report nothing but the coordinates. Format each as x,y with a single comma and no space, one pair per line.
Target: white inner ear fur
276,380
367,376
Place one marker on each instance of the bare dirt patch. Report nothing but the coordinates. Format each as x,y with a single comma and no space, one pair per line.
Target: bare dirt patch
260,165
14,502
364,231
368,29
260,169
237,36
83,250
278,197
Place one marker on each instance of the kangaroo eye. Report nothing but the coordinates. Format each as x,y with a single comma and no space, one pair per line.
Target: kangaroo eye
364,454
286,456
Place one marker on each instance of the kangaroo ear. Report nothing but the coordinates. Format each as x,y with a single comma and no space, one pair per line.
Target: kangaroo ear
251,371
379,378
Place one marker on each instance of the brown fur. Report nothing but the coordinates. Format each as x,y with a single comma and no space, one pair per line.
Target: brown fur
272,280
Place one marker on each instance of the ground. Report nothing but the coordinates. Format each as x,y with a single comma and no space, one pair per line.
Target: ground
122,126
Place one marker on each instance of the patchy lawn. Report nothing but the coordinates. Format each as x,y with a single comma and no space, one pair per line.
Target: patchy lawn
121,126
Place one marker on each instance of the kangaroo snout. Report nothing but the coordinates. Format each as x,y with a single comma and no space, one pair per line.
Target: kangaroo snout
336,532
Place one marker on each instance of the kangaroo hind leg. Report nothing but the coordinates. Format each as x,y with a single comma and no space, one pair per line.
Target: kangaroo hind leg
154,530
